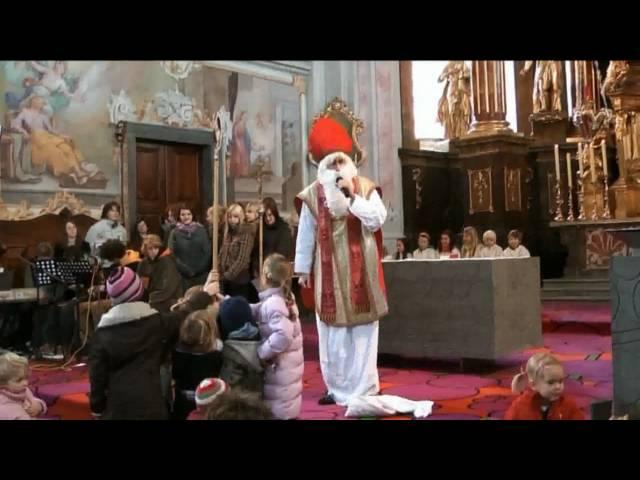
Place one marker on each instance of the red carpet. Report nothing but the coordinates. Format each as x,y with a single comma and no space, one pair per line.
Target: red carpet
577,333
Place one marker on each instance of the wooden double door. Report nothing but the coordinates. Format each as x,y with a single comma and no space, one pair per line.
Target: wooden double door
167,173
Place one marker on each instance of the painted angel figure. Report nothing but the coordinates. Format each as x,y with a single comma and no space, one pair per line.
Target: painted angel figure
52,82
454,107
547,88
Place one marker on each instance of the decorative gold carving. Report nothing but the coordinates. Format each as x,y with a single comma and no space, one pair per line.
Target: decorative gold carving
63,200
600,247
480,191
615,72
23,212
339,111
512,191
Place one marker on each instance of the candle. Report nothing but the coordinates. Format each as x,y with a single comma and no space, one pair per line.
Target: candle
603,145
592,163
556,151
569,180
580,159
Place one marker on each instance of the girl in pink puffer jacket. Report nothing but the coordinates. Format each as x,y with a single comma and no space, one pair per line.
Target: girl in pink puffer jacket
281,347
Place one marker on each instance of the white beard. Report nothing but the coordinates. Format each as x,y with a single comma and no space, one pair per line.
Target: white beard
337,203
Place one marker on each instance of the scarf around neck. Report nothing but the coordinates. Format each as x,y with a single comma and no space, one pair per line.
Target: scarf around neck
190,228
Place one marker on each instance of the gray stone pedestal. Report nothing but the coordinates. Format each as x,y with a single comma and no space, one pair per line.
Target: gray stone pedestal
471,308
625,331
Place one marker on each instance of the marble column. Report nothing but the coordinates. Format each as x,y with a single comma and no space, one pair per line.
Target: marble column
489,97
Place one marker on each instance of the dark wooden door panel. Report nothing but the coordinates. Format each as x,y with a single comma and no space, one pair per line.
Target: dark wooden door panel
150,183
183,176
166,174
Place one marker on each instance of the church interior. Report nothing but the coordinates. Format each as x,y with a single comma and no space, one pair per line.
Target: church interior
437,240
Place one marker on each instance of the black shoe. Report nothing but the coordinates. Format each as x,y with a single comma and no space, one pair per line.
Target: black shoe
327,399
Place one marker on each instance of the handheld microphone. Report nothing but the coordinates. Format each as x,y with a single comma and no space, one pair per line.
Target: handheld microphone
344,190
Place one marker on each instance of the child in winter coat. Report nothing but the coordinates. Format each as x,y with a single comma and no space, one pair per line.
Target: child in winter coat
197,356
281,333
544,398
241,366
128,349
16,400
208,390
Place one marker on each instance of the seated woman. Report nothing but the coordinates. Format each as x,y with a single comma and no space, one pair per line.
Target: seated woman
515,248
470,244
51,150
424,251
138,233
446,249
73,248
401,250
490,249
160,274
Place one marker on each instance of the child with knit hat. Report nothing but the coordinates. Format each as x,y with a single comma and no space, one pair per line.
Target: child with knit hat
240,363
208,390
127,352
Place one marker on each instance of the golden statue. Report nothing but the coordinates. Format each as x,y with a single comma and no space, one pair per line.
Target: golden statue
602,130
616,69
454,107
547,88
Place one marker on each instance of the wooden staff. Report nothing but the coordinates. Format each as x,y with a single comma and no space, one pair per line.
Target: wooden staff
260,215
217,138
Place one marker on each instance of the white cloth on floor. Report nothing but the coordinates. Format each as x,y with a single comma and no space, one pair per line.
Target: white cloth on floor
348,360
385,405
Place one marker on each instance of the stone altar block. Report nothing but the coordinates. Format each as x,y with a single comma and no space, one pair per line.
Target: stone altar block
468,309
624,275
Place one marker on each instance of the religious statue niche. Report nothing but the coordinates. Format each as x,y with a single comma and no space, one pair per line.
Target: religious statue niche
512,193
593,173
547,87
600,247
587,98
480,191
454,107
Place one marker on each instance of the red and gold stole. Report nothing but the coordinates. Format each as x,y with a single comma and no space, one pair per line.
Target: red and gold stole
357,269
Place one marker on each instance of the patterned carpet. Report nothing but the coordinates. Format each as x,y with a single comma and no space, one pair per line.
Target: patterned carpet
578,334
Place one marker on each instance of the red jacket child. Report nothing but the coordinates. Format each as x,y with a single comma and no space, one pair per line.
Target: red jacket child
543,398
528,406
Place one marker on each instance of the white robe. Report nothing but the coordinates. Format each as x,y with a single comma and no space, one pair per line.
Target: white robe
348,355
490,252
520,252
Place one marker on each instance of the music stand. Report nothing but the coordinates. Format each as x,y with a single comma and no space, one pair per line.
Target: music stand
74,273
59,276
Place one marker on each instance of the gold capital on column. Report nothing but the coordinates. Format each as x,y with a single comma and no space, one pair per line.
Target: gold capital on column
489,98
